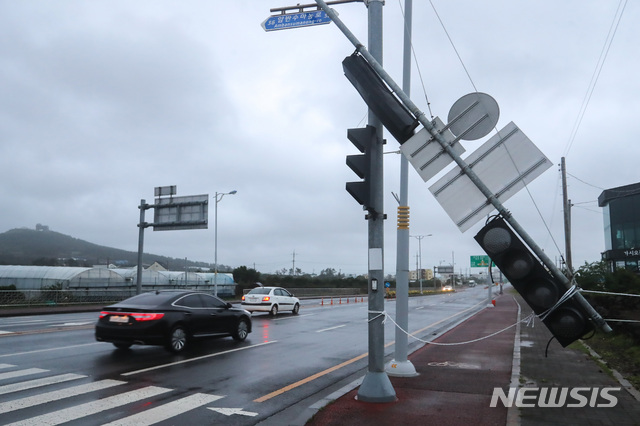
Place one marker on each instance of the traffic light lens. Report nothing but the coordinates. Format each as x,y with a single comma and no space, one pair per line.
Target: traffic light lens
567,323
517,264
496,240
541,294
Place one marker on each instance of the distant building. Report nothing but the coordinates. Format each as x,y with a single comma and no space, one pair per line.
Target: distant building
155,266
621,226
425,274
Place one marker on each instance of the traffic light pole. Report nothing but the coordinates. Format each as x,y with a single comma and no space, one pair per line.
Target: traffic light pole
464,167
376,386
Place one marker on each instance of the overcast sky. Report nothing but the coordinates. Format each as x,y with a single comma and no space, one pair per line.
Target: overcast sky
103,100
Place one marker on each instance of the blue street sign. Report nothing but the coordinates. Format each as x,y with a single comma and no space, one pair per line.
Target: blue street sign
295,20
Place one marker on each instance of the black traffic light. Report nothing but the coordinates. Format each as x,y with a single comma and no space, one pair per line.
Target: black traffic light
363,138
391,112
541,290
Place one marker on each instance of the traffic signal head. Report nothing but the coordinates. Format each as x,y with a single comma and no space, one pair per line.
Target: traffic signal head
362,138
391,112
568,321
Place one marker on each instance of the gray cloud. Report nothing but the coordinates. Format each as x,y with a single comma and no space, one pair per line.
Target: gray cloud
102,101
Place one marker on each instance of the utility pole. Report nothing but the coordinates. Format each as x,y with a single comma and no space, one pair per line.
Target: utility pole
293,266
566,207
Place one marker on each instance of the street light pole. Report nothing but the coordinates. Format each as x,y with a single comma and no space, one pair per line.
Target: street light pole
218,197
400,365
419,238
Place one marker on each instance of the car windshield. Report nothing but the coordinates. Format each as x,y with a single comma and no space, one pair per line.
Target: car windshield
260,290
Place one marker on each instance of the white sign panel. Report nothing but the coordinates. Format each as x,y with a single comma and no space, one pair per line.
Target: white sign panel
375,259
425,153
505,163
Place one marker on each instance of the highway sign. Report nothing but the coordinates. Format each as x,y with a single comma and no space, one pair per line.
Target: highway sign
480,261
295,20
444,269
175,213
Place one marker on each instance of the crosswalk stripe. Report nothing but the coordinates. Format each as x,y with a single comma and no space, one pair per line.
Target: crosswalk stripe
43,398
93,407
20,373
6,365
166,411
30,384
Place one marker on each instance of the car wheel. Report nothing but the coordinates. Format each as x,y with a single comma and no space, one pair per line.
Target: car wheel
296,309
122,345
274,310
177,339
242,331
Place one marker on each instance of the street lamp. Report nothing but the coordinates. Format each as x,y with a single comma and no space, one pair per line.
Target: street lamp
419,238
218,198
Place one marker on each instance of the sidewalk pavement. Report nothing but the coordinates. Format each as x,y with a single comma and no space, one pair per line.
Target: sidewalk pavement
456,382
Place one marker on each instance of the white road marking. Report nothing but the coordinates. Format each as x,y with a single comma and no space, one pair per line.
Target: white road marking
71,324
331,328
166,411
30,384
21,322
157,367
6,365
232,411
20,373
43,398
93,407
63,348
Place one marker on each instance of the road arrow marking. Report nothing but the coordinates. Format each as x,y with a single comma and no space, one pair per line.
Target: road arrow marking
232,411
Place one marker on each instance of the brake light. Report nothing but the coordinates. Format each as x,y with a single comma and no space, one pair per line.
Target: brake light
266,299
146,316
243,298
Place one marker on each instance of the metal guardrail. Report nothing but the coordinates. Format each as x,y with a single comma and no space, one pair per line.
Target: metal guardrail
32,298
303,293
104,296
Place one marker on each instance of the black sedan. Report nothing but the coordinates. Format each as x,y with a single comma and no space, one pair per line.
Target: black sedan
171,318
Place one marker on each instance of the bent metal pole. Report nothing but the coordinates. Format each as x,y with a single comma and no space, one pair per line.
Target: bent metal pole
464,167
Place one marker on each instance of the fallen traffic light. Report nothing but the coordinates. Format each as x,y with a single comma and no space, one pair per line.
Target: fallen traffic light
391,112
566,319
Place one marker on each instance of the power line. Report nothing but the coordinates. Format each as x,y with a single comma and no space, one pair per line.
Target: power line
596,73
586,183
453,45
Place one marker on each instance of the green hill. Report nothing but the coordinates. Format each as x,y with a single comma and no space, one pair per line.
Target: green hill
44,247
